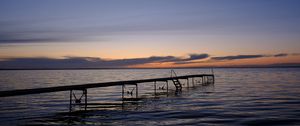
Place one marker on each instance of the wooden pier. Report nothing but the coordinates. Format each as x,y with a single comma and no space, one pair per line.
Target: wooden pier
205,79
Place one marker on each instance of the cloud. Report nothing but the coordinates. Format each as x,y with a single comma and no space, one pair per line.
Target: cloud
237,57
66,30
95,62
295,54
281,55
28,40
89,62
136,61
19,32
191,58
31,37
197,57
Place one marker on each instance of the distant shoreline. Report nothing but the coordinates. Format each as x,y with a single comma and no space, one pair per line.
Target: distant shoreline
246,67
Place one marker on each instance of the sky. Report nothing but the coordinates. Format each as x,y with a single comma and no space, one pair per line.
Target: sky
148,33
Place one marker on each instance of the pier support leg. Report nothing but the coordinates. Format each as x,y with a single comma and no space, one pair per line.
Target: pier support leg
155,88
188,82
202,79
122,91
167,87
70,106
85,99
136,91
193,82
207,79
78,101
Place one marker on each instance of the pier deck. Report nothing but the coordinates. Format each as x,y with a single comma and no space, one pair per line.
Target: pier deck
206,78
92,85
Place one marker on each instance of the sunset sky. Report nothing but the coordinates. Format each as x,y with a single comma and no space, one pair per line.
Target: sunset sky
153,33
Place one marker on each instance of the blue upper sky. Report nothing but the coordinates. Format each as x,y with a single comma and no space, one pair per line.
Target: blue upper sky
140,28
36,20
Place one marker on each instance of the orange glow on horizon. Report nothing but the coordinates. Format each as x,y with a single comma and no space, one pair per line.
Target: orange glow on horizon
232,63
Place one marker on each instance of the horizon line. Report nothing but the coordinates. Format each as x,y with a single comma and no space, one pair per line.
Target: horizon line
284,66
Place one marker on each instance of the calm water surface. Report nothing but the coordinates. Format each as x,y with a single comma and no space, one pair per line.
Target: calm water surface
262,96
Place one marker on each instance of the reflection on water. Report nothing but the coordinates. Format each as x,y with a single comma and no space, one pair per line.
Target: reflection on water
266,96
154,109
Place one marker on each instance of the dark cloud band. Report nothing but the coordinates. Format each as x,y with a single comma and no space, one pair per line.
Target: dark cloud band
94,62
90,62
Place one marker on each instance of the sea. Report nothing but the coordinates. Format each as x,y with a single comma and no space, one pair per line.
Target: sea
239,96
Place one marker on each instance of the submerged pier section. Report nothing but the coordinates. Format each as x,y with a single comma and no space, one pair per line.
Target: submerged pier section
83,88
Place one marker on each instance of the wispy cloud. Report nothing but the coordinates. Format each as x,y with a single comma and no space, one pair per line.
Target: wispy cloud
29,40
31,36
24,32
237,57
281,55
